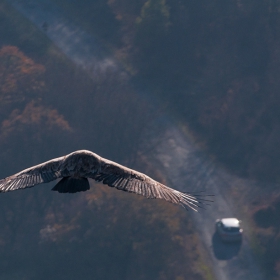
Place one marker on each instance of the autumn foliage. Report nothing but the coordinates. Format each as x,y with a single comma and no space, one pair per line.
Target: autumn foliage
50,108
20,77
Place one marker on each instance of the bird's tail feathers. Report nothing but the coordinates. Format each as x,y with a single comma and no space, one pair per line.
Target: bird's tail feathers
72,185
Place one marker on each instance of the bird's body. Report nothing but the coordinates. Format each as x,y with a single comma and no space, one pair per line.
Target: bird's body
77,167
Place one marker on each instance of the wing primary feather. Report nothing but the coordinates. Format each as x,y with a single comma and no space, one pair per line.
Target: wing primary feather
13,185
38,178
143,189
136,187
139,188
121,185
108,180
8,186
27,180
154,191
124,185
30,182
189,197
163,193
157,191
191,202
131,186
159,188
22,182
33,180
123,182
18,184
128,185
118,181
173,197
199,202
100,177
169,195
148,190
112,181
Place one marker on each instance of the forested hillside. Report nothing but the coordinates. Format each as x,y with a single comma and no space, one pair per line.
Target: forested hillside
49,107
215,64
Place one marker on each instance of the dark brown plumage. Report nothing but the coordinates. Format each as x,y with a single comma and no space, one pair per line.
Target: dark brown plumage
77,167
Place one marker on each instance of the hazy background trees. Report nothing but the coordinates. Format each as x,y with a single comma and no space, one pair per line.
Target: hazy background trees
214,65
50,107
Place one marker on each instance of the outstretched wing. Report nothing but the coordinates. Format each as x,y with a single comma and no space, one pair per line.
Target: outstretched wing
41,173
125,179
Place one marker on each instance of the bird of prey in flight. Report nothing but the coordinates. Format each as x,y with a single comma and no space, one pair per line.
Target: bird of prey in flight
76,168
